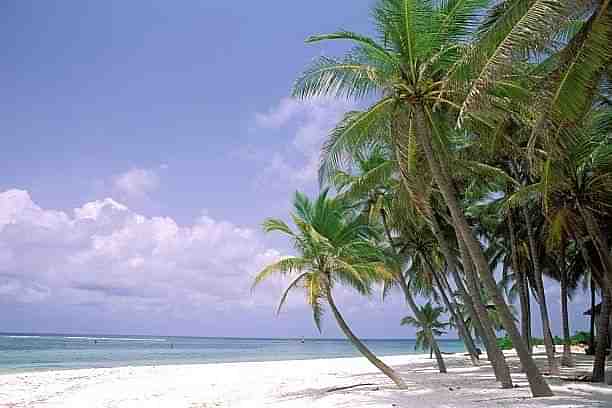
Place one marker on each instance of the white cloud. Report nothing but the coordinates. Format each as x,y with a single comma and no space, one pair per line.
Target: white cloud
137,182
309,122
105,254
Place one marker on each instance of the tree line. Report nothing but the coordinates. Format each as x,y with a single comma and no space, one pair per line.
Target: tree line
481,164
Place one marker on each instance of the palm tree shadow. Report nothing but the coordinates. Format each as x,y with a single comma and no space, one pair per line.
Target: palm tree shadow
469,386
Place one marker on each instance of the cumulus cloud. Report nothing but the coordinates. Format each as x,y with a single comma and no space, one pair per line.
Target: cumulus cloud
137,182
309,122
104,254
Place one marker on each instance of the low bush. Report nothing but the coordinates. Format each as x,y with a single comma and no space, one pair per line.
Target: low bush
580,337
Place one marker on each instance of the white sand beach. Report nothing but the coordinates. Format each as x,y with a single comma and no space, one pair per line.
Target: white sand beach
285,384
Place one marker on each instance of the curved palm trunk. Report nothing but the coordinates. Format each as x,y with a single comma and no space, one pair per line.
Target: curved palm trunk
603,252
539,387
566,359
408,296
438,354
489,342
603,339
457,316
388,371
522,284
539,280
496,356
419,316
481,320
526,318
592,322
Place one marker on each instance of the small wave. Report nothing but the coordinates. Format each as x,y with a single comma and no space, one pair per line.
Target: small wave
20,337
111,338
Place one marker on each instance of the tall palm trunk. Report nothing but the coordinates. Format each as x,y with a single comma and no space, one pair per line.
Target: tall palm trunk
481,321
463,332
456,314
494,353
388,371
603,339
603,252
527,325
539,280
419,316
566,359
592,323
408,296
522,285
539,387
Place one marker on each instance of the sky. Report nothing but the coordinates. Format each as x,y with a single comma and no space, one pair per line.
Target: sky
143,143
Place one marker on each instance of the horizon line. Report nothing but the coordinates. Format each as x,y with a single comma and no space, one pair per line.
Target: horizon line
57,334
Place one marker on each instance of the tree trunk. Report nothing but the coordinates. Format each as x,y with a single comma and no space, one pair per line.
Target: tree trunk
480,317
528,304
592,327
539,280
388,371
439,358
539,387
456,314
407,295
522,284
419,316
494,353
489,343
603,252
601,348
566,359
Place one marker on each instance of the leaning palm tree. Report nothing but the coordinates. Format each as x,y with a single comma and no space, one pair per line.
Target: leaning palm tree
430,327
576,191
333,247
372,188
413,68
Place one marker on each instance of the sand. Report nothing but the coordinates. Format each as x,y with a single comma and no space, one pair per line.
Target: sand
285,384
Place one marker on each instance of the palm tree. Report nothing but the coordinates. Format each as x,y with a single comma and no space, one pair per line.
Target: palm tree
374,189
333,247
412,70
576,192
429,326
492,312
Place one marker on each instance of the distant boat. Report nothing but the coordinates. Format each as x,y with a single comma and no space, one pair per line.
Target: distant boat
302,340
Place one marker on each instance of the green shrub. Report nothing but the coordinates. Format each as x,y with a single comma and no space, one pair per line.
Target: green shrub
504,343
580,337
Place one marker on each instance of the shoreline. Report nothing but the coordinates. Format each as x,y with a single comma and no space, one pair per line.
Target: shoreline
315,383
220,363
62,352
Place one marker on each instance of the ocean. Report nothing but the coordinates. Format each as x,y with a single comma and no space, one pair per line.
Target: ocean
27,352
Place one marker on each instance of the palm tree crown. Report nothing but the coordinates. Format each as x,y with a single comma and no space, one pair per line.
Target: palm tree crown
333,245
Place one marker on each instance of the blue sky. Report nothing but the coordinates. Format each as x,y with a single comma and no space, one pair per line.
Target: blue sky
143,144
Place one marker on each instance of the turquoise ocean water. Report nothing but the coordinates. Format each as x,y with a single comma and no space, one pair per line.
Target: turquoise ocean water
27,352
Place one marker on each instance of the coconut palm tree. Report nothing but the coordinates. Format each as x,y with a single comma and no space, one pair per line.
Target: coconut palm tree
429,327
333,247
398,188
576,192
374,188
413,69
